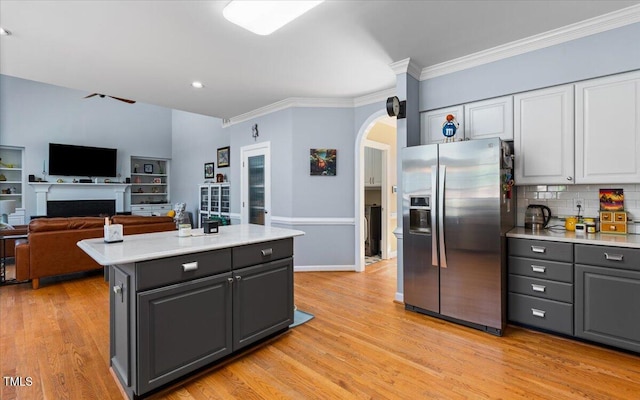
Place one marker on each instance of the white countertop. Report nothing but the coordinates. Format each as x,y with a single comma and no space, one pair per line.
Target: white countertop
150,246
605,239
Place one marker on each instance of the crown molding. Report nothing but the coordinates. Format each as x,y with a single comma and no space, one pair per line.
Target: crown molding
406,66
616,19
374,97
293,102
613,20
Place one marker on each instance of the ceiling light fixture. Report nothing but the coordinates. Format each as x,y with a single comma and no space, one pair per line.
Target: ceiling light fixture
4,32
197,85
265,17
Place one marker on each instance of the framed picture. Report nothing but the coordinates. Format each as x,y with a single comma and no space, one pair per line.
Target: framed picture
157,180
208,170
223,157
611,200
148,168
323,162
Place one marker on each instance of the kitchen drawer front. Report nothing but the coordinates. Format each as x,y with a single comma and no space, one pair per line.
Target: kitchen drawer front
541,313
542,269
166,271
606,256
541,249
254,254
542,288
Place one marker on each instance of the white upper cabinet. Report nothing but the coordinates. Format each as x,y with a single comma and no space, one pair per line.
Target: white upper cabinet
431,124
489,118
608,129
372,167
543,136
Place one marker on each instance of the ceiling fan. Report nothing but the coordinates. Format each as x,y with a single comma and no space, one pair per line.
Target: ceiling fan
117,98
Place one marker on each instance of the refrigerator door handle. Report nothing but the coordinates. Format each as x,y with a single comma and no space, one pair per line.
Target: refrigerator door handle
434,236
441,179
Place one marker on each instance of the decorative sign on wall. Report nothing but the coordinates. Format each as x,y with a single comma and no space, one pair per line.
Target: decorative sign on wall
323,162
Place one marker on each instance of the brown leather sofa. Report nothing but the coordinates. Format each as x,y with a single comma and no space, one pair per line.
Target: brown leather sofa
50,248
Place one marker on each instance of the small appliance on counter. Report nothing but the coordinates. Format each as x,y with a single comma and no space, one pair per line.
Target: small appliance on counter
537,217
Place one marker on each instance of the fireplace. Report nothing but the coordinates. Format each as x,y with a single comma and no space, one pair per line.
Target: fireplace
47,192
81,208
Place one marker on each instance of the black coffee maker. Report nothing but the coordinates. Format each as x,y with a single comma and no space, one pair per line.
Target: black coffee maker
537,217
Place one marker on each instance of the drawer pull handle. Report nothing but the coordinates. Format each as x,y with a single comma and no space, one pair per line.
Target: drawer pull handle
538,268
538,249
538,288
613,257
192,266
117,289
266,252
538,313
230,280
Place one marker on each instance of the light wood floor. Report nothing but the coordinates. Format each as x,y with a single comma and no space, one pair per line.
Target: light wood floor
360,345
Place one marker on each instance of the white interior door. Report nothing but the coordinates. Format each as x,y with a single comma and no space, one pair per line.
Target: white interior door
256,184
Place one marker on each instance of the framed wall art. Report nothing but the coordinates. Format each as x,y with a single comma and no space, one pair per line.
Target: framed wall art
323,162
223,157
611,199
208,171
148,168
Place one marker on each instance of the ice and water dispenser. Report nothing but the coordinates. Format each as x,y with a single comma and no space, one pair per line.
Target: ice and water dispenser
420,214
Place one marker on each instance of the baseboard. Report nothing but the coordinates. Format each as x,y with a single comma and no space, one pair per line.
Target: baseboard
323,268
399,298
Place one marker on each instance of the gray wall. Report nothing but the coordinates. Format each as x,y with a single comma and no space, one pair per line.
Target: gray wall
32,114
297,196
195,141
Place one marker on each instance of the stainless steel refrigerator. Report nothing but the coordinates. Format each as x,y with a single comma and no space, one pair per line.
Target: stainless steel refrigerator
456,211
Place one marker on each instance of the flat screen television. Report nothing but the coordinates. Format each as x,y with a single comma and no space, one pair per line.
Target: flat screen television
71,160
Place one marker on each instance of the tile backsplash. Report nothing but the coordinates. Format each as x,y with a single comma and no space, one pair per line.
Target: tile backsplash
559,198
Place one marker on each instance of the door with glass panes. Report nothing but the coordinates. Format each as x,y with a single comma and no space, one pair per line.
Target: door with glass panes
256,184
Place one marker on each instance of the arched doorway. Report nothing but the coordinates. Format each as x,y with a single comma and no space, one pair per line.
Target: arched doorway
377,122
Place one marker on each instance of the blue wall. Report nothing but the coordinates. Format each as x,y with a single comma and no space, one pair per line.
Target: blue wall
32,114
601,54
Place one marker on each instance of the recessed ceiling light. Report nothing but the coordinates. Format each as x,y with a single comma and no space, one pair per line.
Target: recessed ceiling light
4,32
197,85
265,17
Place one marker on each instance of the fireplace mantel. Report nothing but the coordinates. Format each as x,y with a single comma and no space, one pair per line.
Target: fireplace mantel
77,191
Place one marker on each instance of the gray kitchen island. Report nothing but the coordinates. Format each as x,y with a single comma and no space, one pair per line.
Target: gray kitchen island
178,304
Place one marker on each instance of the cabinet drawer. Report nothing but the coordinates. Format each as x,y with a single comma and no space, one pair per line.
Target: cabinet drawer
542,288
541,249
166,271
259,253
542,269
605,256
541,313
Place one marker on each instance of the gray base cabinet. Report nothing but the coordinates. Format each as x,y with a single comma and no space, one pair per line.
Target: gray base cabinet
173,315
587,291
262,301
540,284
176,335
608,298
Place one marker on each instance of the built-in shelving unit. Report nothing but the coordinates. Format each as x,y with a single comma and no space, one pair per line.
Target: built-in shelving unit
150,186
214,201
12,181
